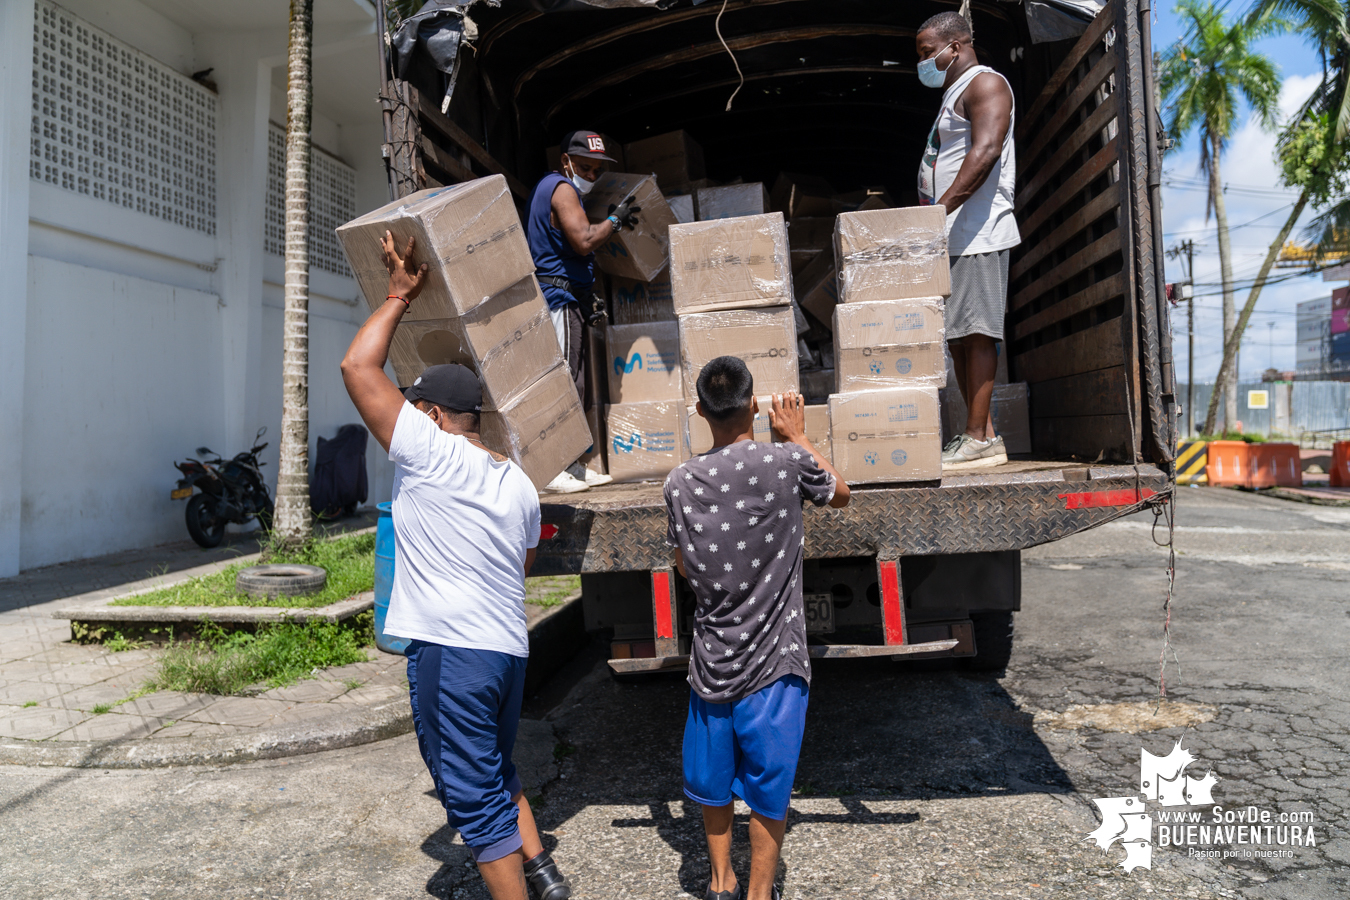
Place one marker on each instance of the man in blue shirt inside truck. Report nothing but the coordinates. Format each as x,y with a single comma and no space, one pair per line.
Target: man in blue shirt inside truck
563,242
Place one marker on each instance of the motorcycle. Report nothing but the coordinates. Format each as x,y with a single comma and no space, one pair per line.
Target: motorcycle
230,491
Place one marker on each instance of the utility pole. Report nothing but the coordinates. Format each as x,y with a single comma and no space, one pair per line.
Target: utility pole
1187,292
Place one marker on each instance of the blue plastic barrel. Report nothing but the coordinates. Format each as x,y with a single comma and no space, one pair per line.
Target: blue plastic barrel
384,579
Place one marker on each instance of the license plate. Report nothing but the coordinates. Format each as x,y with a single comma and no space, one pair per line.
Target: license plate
180,493
819,613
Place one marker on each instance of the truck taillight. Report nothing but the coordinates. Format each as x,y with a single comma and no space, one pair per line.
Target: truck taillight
1093,499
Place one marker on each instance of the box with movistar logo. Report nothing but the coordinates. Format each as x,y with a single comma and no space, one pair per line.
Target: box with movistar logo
646,440
643,362
884,436
641,252
889,343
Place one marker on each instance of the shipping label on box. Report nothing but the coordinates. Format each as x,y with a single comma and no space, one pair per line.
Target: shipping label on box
643,362
646,440
732,201
632,301
543,428
509,341
765,339
698,434
885,343
892,254
730,264
642,252
468,234
674,158
887,435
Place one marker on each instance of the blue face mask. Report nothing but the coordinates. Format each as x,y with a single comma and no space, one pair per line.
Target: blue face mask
930,74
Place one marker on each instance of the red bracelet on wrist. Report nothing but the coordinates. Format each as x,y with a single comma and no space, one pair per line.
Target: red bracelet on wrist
406,302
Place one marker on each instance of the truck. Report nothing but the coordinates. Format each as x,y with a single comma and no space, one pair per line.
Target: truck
828,87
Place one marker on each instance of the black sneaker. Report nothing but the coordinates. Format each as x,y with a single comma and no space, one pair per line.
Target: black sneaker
737,893
543,875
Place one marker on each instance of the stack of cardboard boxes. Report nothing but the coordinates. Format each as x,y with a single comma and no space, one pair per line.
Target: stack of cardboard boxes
889,344
482,308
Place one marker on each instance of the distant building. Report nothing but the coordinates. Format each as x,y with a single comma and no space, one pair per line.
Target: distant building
141,232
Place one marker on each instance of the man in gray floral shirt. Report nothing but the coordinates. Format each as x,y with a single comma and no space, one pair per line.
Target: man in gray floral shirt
735,521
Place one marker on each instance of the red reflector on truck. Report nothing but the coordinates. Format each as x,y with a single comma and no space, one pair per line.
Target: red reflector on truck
1092,499
547,531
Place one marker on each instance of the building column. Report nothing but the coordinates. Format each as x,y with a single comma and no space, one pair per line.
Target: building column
16,101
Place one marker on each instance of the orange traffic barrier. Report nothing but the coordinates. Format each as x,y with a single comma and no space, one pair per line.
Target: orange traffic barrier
1274,465
1228,463
1340,464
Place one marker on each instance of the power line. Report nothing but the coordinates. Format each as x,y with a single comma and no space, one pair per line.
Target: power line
1231,228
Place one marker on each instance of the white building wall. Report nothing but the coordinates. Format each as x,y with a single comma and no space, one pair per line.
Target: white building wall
130,341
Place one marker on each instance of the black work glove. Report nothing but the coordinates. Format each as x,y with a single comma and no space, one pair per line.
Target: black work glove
626,213
593,310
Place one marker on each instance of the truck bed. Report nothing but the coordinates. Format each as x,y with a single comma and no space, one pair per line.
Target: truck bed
622,527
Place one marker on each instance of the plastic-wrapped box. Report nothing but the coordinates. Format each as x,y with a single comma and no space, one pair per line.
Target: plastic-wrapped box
640,252
469,235
886,436
632,301
698,434
766,339
682,206
730,264
892,254
889,343
643,362
732,201
509,341
542,428
646,440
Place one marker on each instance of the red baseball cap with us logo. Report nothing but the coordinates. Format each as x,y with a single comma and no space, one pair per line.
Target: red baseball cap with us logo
587,144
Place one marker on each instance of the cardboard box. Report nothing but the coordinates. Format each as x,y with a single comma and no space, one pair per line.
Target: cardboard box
1009,408
892,254
674,158
682,206
468,233
886,436
766,339
818,288
698,434
808,237
632,301
889,343
646,439
542,428
643,362
640,252
868,198
732,201
805,195
509,341
730,264
817,385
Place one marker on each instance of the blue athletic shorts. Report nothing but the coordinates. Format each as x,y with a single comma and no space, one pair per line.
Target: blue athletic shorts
466,708
748,747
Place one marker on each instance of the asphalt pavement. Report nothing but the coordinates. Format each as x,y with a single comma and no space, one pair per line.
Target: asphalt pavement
915,780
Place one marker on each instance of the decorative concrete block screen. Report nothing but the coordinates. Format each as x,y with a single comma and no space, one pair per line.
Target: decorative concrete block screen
115,125
332,202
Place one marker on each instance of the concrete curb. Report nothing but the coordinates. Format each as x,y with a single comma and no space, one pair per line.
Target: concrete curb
551,636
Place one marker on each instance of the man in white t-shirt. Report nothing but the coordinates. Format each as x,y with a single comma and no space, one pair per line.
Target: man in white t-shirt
466,524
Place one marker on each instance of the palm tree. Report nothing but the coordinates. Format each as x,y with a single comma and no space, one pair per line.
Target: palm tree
292,524
1203,78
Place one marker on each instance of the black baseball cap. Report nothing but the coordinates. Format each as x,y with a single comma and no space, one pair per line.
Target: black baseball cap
453,386
585,143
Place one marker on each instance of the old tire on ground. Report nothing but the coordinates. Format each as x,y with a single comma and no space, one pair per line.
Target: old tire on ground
280,580
993,641
202,524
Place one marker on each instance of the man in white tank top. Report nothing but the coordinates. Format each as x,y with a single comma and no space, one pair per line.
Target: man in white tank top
969,168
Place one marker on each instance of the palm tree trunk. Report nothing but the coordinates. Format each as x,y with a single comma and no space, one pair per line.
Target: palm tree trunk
292,523
1232,344
1228,386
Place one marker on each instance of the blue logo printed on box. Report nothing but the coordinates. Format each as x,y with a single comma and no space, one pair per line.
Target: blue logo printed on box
870,459
614,248
875,367
622,446
902,412
898,457
903,365
908,321
622,368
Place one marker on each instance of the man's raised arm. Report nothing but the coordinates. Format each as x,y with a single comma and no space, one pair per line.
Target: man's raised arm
378,399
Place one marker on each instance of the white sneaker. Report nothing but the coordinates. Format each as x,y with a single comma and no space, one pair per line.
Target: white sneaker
595,479
565,484
965,452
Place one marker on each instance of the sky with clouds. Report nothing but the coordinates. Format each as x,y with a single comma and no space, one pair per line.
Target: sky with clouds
1257,206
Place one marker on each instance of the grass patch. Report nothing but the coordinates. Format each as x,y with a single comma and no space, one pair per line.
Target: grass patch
30,703
1253,438
274,656
549,591
350,561
101,708
118,643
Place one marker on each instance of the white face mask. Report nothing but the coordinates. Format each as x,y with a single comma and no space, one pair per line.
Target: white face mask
581,184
